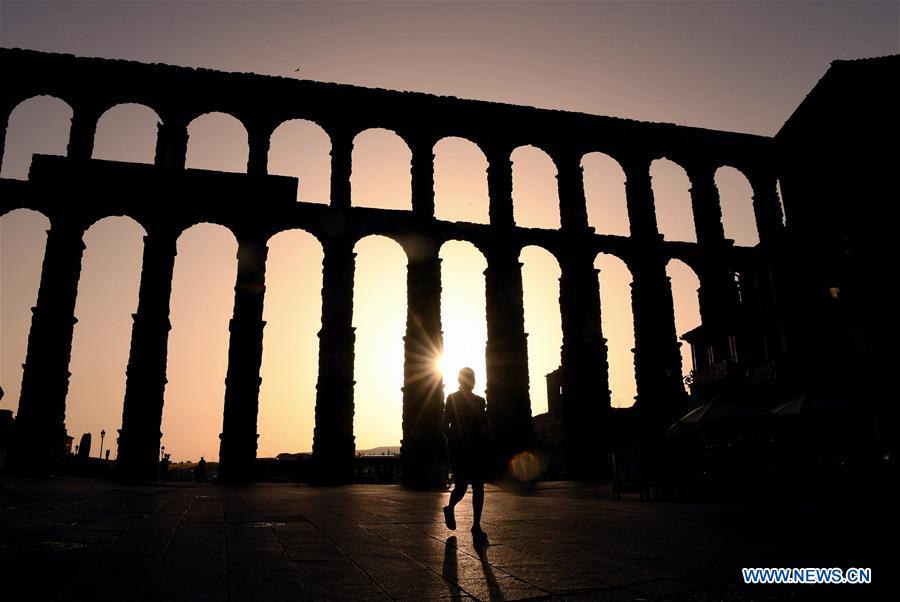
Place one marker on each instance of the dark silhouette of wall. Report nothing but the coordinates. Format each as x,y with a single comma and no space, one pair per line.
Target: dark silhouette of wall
178,95
838,159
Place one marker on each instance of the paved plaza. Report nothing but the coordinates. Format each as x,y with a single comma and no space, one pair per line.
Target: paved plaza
94,540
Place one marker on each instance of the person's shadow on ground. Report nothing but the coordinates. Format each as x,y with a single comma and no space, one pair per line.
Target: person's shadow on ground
490,579
450,569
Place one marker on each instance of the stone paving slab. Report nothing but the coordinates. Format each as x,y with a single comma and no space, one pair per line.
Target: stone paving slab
69,539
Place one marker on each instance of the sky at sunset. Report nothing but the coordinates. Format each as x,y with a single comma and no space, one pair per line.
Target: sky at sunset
736,66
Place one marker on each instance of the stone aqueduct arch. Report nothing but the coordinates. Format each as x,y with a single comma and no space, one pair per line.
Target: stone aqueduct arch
165,198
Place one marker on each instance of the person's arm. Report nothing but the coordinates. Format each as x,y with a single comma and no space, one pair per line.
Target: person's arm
487,422
445,418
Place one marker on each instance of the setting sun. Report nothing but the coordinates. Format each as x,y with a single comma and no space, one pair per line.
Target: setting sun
466,349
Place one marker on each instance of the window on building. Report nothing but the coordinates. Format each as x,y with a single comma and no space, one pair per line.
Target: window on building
732,349
737,286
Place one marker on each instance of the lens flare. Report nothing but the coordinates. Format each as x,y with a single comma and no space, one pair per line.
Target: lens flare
527,466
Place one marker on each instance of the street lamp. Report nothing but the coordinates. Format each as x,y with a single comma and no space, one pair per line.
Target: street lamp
102,435
162,452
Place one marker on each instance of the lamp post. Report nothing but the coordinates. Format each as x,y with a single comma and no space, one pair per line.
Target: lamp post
102,435
162,452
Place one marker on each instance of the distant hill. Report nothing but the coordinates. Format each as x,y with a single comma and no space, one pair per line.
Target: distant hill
384,450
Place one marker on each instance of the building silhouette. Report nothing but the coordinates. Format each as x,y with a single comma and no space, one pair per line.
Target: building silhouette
805,307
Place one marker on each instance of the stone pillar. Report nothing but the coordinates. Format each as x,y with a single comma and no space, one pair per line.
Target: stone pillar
81,134
258,139
657,358
570,183
766,205
422,173
499,176
145,383
171,144
341,166
40,423
423,388
237,451
585,394
705,203
718,291
509,405
639,197
333,440
5,112
508,401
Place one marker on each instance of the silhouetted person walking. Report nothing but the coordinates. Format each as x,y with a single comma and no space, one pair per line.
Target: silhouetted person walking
200,470
467,429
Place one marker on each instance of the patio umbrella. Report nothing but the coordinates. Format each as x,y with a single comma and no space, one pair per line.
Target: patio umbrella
810,403
715,414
